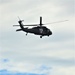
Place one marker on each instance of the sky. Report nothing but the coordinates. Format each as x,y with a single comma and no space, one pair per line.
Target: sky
31,55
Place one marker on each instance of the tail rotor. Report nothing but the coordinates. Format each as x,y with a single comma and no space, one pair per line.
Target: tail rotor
20,21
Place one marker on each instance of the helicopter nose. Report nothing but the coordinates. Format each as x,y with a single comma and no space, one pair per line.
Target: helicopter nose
50,33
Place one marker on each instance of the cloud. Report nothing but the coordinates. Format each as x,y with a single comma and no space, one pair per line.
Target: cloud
5,60
28,53
63,71
45,69
6,72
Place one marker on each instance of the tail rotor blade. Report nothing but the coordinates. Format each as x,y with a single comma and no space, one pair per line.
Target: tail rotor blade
20,19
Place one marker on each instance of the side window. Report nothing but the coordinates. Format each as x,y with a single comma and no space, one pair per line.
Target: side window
41,30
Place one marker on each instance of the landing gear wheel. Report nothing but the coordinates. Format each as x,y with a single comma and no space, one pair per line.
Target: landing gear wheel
48,35
40,36
26,34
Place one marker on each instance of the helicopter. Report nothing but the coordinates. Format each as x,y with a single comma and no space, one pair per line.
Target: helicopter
39,29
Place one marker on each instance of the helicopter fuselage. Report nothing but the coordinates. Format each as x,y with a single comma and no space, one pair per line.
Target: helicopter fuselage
37,30
43,31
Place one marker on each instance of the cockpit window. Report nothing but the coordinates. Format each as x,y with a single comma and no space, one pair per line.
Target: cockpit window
48,30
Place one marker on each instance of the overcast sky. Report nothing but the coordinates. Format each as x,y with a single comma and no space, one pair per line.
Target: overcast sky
21,54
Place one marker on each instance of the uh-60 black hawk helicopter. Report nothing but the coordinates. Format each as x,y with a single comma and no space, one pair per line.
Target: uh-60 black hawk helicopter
39,29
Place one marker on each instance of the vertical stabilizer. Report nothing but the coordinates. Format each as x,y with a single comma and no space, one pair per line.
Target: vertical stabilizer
20,23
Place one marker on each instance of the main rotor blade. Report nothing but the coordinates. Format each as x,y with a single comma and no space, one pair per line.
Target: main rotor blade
16,25
28,25
31,25
56,22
